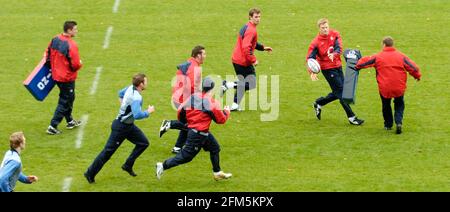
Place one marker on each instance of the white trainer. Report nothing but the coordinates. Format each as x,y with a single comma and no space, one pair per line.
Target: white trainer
235,107
230,85
222,175
159,170
176,150
165,126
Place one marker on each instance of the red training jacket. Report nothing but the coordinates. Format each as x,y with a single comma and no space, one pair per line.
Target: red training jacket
200,109
247,42
64,58
188,81
390,65
321,45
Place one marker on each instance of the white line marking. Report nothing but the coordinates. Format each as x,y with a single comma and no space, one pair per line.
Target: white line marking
116,6
96,78
107,37
84,120
66,184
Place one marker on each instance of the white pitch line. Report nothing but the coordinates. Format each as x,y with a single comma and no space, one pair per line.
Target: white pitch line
84,120
107,37
66,184
96,78
116,6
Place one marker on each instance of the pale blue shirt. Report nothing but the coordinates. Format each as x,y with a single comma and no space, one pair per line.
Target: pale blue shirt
131,107
11,171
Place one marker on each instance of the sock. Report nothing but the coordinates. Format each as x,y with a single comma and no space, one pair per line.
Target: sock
352,118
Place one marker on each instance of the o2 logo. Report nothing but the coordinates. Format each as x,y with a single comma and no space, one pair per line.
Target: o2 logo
44,81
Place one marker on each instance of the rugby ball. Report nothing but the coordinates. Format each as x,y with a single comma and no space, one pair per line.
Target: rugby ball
313,65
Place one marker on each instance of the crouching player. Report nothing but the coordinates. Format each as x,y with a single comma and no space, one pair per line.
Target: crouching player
199,110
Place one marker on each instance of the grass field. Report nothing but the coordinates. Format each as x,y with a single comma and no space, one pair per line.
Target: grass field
296,152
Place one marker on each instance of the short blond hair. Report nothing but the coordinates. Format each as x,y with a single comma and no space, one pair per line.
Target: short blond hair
16,139
322,21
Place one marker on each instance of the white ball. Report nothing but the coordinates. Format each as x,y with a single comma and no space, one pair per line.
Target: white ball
313,65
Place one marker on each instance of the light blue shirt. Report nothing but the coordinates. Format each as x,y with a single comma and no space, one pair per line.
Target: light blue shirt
11,171
131,107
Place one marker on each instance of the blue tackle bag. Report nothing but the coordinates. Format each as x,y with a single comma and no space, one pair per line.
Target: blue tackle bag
40,81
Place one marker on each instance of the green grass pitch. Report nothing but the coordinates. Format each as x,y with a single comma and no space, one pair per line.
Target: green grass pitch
296,152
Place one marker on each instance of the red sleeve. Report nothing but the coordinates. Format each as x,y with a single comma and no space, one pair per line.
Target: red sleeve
47,55
181,112
220,116
312,50
338,45
411,67
198,78
74,56
177,89
47,52
366,62
247,46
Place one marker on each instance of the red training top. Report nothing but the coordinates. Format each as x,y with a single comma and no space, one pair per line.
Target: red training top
189,76
247,42
64,58
322,45
390,65
200,109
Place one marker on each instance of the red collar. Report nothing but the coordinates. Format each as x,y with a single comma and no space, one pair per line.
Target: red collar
388,49
252,24
324,36
194,61
66,35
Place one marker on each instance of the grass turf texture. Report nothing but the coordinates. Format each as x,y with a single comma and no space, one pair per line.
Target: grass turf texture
294,153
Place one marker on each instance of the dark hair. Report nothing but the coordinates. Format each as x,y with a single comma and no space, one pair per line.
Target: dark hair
207,84
197,50
254,11
388,41
69,25
138,79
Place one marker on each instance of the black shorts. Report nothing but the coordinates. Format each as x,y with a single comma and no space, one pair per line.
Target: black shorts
244,70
